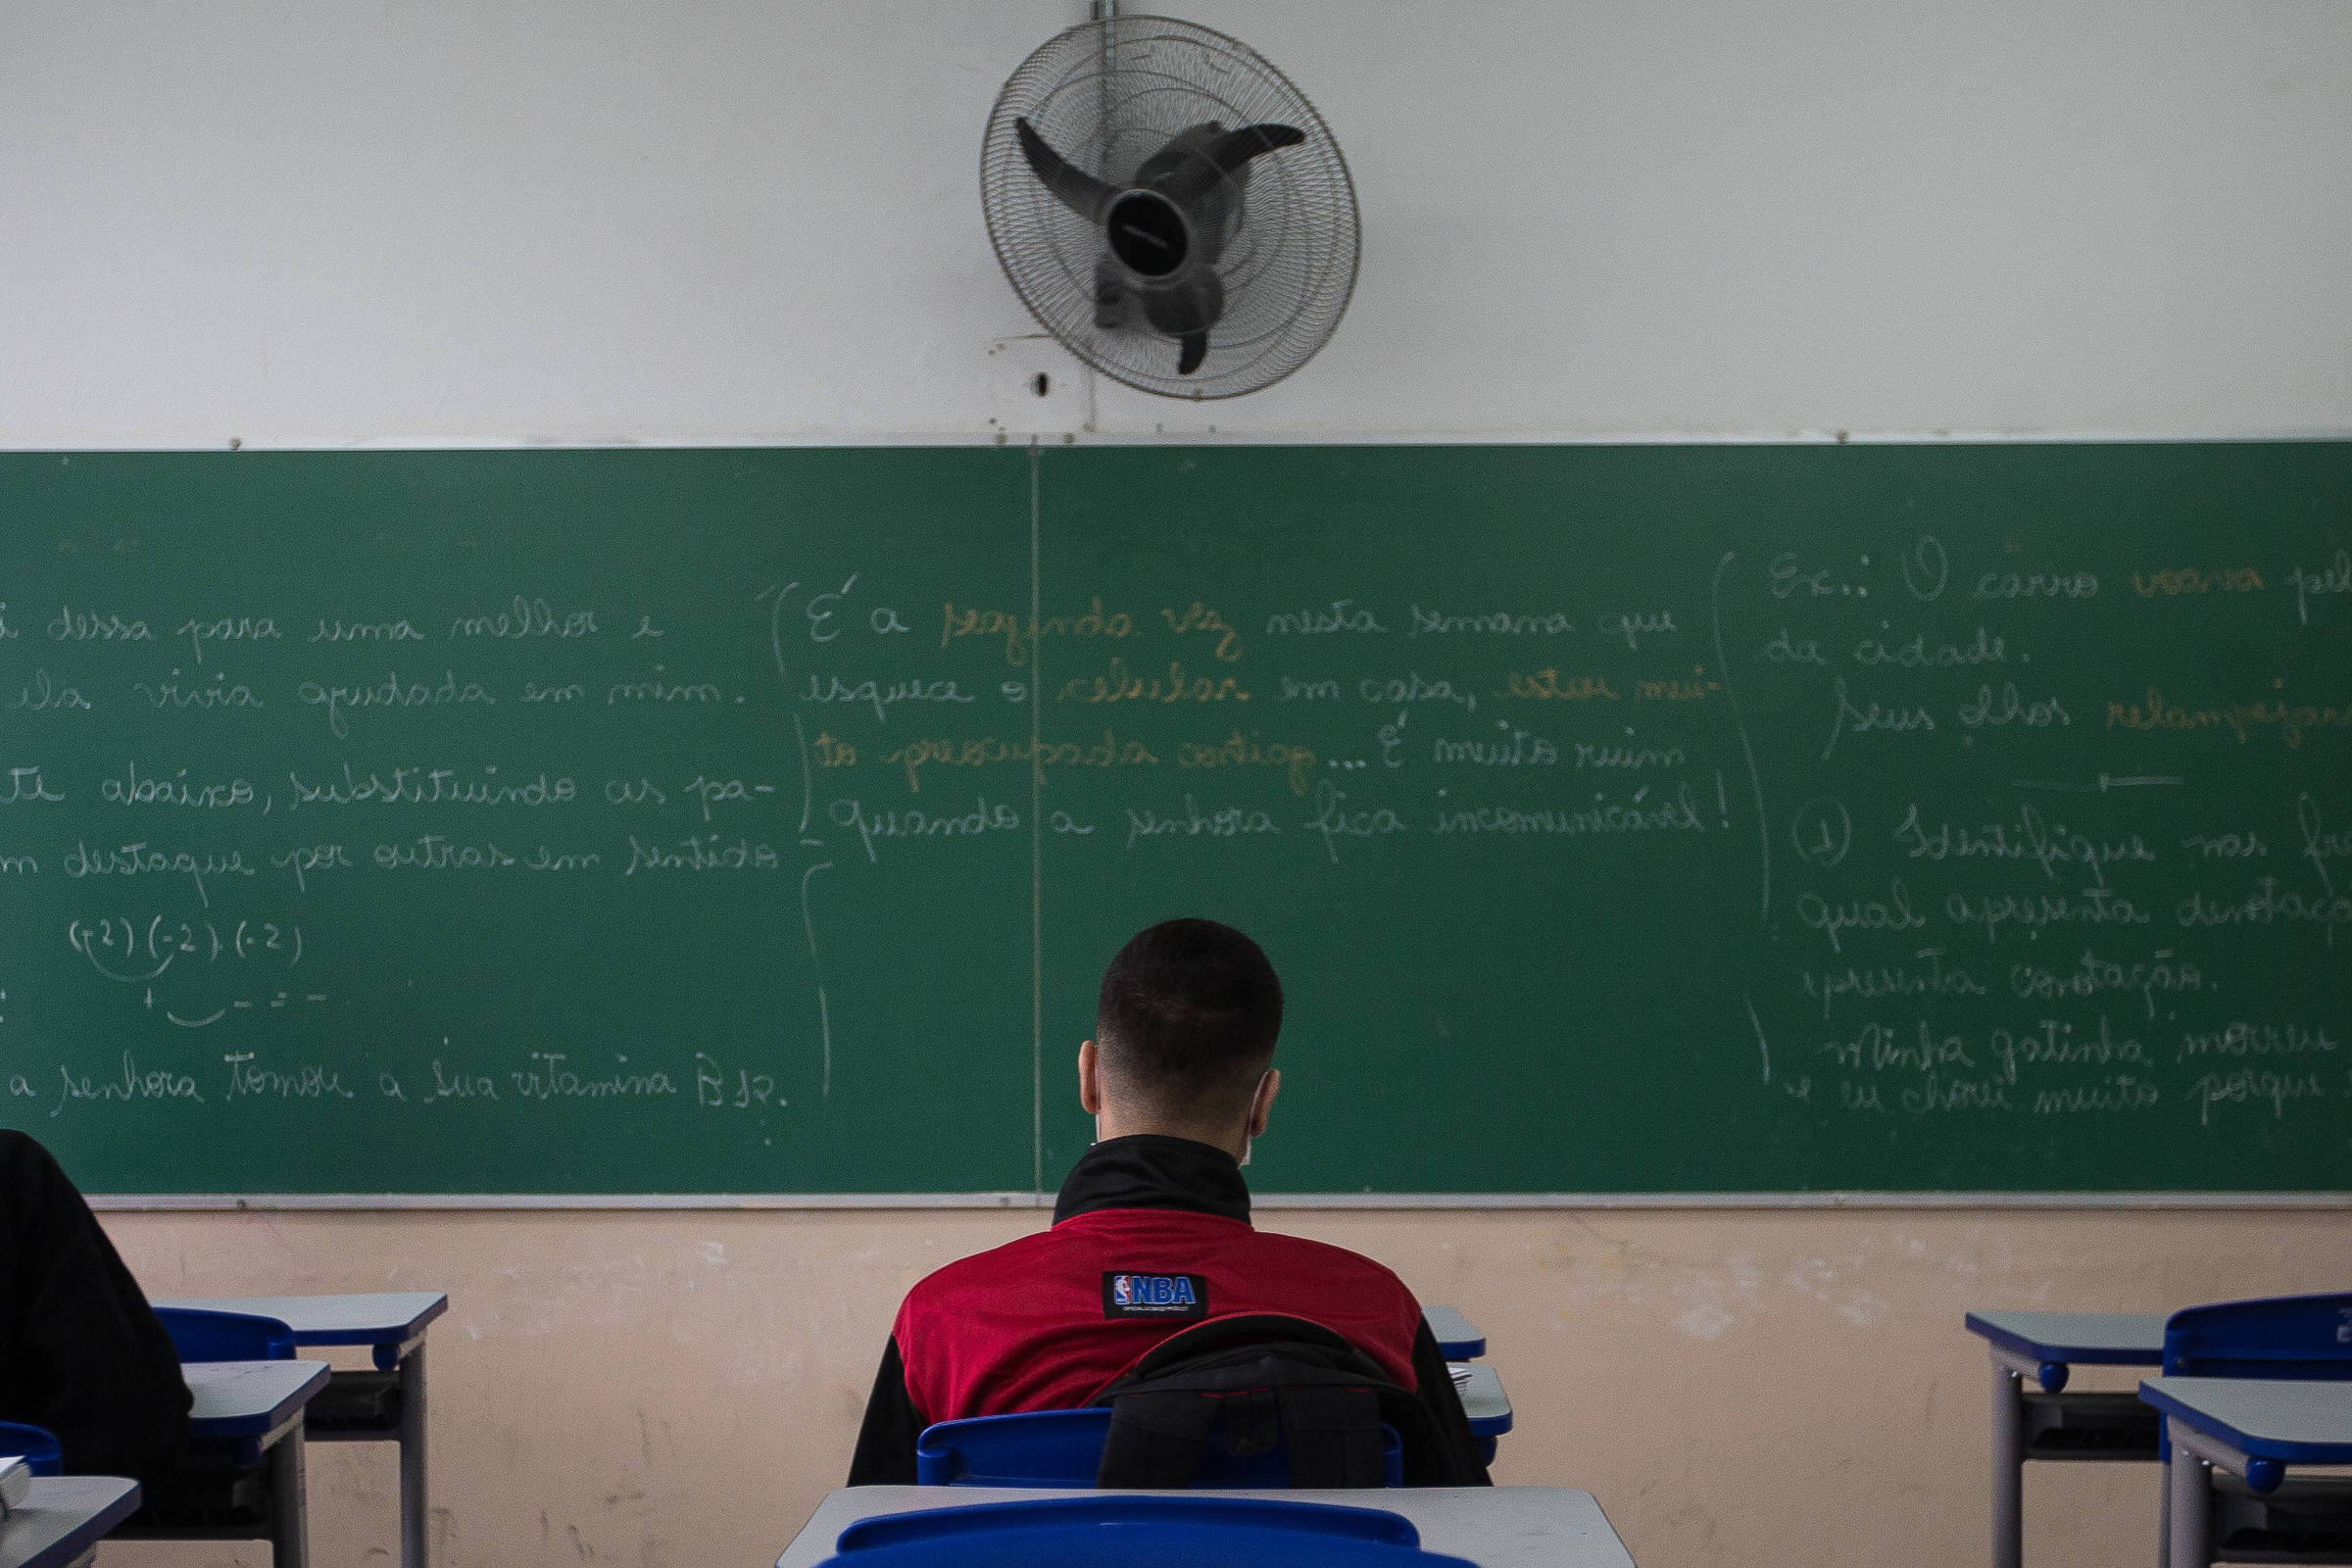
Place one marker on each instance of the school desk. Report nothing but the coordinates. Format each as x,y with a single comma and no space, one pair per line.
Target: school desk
62,1517
383,1405
1495,1527
1458,1339
2054,1424
1484,1402
2250,1427
255,1408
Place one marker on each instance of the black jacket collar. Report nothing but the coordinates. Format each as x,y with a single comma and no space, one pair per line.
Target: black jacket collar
1151,1171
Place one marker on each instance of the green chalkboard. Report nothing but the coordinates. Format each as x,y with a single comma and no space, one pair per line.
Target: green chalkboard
1667,819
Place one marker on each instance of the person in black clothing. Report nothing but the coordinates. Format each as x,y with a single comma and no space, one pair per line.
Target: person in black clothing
1151,1231
82,1352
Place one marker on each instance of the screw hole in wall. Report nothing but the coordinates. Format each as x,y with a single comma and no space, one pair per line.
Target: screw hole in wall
1041,385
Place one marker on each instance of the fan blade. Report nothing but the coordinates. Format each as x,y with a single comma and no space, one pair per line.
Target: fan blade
1186,313
1237,147
1225,156
1081,192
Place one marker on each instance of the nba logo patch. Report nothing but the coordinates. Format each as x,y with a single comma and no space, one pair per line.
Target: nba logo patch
1130,1294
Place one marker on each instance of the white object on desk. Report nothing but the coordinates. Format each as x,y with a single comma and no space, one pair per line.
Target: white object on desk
61,1518
392,1323
1495,1527
1482,1399
16,1480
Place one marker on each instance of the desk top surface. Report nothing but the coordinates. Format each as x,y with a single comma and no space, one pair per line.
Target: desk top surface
1458,1339
387,1317
62,1517
1495,1527
249,1399
2295,1423
1482,1399
2110,1338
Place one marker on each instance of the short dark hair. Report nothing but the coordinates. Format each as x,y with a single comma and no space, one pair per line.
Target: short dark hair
1189,1011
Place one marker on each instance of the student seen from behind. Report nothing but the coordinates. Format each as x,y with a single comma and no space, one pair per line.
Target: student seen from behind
1152,1232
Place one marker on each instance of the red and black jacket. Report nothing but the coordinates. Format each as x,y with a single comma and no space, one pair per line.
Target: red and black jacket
1150,1236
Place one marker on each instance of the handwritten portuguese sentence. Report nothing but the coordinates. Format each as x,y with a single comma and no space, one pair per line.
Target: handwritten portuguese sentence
695,1081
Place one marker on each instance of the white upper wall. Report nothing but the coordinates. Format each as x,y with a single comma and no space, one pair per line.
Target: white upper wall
580,221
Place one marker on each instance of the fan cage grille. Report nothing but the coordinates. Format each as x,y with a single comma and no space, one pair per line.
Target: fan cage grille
1108,94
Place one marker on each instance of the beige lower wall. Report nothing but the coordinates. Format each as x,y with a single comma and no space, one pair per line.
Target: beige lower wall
1773,1387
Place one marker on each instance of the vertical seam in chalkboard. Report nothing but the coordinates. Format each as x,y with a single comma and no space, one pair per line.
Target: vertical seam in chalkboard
1037,864
1755,780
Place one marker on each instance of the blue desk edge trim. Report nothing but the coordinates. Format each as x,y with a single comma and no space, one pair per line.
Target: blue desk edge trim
2069,1354
121,1509
2255,1448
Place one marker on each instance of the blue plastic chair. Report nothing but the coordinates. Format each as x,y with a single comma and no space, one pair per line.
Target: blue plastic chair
2300,1338
36,1446
1121,1527
1064,1449
199,1335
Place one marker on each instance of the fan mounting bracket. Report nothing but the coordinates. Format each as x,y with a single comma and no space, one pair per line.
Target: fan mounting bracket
1016,410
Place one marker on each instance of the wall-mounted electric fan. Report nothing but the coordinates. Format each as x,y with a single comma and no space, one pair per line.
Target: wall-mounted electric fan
1169,207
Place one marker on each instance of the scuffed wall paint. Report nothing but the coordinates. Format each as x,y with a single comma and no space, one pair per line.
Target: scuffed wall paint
1751,1386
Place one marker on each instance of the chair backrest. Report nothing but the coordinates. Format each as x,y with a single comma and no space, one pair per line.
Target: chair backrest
2290,1337
200,1335
36,1446
1089,1532
1064,1449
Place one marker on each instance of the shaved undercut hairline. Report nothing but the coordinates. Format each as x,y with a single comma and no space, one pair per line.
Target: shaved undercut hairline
1187,1021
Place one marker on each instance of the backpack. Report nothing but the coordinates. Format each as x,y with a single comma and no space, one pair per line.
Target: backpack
1269,1377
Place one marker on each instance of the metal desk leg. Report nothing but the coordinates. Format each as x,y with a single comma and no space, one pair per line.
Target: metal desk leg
2008,1467
2189,1504
2164,1516
413,1518
289,1504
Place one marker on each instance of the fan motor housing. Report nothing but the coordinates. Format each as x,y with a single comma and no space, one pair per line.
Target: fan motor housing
1147,233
